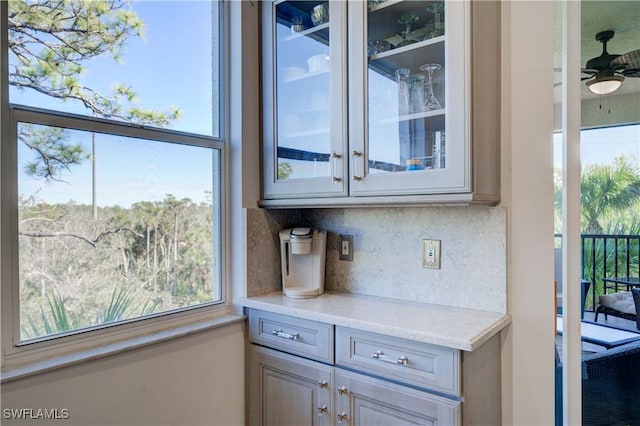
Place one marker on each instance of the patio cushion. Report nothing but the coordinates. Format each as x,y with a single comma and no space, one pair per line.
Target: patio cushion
620,301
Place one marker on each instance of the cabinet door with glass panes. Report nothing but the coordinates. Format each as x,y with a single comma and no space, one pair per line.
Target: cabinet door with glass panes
304,73
409,115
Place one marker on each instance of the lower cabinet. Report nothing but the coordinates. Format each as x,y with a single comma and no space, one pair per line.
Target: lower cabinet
288,390
304,372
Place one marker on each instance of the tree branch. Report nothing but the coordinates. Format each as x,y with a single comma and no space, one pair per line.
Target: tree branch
93,243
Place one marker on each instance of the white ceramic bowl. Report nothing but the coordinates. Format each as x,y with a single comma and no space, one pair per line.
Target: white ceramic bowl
318,63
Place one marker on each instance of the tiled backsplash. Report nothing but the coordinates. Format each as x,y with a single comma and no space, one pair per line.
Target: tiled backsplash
387,258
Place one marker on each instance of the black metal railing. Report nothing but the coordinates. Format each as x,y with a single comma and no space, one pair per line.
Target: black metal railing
606,256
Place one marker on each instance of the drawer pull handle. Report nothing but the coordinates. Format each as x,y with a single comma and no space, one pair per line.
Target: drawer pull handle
380,356
281,333
322,409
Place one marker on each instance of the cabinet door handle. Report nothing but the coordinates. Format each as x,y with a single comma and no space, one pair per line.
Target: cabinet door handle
290,336
322,409
356,154
341,417
380,356
334,159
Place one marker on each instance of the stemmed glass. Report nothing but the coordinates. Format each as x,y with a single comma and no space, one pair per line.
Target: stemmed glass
407,21
431,102
437,9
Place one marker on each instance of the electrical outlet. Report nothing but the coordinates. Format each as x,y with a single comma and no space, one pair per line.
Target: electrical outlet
346,247
431,254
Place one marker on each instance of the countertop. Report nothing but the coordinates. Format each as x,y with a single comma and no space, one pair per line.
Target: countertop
458,328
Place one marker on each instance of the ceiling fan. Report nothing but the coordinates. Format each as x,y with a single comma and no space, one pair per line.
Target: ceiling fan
607,71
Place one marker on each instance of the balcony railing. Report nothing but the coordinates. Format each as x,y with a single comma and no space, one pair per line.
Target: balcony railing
605,256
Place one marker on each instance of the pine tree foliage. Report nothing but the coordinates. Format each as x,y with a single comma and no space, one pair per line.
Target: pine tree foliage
50,42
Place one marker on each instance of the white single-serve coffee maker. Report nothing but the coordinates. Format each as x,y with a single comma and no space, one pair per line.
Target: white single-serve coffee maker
302,255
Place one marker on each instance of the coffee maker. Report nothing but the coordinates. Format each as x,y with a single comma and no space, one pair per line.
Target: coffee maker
302,254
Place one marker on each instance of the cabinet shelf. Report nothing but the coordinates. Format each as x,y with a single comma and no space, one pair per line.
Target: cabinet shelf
409,48
383,5
411,57
317,31
306,75
418,115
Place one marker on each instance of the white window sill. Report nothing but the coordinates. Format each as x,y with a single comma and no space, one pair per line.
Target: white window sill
9,374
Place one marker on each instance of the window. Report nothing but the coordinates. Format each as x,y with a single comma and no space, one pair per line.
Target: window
113,154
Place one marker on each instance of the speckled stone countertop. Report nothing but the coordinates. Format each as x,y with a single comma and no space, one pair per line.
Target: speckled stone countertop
457,328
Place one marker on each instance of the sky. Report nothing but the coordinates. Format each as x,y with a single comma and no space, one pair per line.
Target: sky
170,67
603,145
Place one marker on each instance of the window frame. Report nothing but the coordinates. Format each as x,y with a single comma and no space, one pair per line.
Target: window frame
86,343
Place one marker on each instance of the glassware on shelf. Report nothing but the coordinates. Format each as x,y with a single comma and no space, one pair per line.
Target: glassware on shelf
431,103
297,24
437,28
438,150
413,164
377,46
373,3
402,79
320,14
407,21
417,93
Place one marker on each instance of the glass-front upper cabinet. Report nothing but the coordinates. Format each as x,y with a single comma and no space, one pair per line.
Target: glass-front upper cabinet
409,104
420,90
304,103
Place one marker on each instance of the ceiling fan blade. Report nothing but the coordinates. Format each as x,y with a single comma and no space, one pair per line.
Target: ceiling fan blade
628,64
589,71
586,78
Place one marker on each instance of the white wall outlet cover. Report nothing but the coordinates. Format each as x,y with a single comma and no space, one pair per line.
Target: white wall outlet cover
345,249
431,254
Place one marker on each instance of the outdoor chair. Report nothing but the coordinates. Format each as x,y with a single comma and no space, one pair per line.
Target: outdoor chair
622,304
610,386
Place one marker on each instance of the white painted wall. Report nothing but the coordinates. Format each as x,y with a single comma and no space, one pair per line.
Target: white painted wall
193,380
527,192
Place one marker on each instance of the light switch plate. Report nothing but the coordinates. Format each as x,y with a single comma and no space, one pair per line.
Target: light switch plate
346,247
431,254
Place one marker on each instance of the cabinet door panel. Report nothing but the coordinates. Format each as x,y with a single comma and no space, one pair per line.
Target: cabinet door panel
369,401
409,115
288,390
304,103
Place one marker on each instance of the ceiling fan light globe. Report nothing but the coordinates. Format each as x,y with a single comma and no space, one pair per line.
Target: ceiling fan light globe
605,85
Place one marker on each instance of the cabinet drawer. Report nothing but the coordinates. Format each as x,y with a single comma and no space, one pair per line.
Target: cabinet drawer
420,364
310,339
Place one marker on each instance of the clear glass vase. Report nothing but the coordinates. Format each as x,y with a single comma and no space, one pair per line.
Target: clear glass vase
404,97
